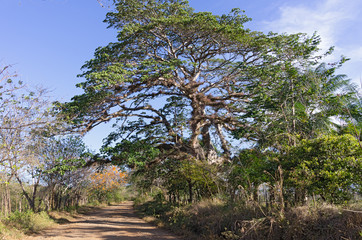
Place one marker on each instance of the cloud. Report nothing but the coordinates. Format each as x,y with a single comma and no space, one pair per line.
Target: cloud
355,54
338,22
327,17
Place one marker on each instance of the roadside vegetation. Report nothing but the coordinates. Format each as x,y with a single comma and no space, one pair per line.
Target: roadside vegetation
220,131
24,221
218,219
42,164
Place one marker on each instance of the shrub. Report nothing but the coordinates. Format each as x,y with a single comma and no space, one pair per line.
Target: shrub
7,232
329,166
29,221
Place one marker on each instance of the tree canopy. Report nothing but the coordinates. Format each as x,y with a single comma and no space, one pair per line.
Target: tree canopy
182,74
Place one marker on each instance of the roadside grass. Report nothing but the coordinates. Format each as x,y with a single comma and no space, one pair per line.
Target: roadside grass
325,221
19,224
10,233
215,219
29,222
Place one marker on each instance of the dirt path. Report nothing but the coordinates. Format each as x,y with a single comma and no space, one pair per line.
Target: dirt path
113,222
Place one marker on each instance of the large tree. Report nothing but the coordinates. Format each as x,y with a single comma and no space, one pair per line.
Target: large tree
167,52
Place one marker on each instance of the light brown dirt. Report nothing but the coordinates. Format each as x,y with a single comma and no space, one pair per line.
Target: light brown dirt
108,223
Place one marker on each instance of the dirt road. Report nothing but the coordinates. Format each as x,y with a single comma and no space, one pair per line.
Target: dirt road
108,223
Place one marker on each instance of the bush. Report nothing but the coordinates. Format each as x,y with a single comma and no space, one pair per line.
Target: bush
29,221
328,166
20,220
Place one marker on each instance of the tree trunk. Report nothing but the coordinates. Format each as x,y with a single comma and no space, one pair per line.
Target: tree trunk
20,204
299,196
190,191
7,200
28,198
280,191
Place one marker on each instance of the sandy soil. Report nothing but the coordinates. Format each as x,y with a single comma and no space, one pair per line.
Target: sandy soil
108,223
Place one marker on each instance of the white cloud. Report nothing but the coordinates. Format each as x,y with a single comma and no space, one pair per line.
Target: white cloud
355,54
353,67
338,22
327,18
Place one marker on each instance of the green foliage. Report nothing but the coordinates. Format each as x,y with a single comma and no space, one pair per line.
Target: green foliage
65,155
353,117
295,104
329,166
133,154
28,221
22,219
249,170
197,60
181,181
179,175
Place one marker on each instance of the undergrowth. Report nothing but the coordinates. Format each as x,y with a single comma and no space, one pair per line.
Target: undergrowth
28,221
215,219
17,224
7,232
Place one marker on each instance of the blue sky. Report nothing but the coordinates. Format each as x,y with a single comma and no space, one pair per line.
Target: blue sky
47,41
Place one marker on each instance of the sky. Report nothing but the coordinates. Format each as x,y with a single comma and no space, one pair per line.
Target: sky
47,41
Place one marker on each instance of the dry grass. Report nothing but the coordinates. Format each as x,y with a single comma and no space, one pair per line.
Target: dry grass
10,233
215,219
28,222
20,223
323,222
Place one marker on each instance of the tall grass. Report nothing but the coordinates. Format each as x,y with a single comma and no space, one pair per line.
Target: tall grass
29,221
8,233
216,219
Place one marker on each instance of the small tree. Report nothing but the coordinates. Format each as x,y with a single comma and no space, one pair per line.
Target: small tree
62,170
328,166
22,111
106,182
